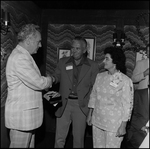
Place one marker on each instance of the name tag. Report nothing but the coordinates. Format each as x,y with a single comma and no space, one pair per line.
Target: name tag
69,67
113,84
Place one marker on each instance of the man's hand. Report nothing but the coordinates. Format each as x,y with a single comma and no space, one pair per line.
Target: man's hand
50,83
51,94
145,129
53,78
146,72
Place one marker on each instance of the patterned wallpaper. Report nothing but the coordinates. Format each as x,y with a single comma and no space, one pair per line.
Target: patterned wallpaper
8,42
130,31
60,35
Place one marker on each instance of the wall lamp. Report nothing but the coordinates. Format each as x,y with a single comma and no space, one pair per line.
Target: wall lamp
119,38
5,21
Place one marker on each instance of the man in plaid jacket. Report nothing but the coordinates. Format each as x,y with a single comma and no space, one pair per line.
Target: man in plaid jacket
24,107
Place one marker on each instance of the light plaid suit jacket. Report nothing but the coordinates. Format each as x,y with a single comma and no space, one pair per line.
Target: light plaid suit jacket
24,106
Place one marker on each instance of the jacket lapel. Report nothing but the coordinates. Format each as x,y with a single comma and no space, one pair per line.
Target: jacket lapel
69,69
35,66
83,72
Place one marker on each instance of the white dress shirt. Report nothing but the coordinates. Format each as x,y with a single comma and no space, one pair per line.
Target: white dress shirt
138,74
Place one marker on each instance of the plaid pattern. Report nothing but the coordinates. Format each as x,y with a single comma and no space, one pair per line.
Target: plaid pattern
24,107
20,139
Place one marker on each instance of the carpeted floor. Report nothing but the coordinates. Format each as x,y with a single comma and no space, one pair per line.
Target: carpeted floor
45,135
48,141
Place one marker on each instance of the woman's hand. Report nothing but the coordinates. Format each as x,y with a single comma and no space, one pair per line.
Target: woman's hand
121,130
89,117
89,120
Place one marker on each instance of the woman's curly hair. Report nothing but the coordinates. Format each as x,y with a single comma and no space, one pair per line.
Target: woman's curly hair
118,57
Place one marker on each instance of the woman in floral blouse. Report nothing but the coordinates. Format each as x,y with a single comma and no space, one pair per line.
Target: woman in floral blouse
111,101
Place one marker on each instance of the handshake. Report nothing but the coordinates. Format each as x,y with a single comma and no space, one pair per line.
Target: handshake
51,80
53,97
52,77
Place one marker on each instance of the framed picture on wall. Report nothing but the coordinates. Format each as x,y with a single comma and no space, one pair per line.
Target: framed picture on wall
91,45
62,52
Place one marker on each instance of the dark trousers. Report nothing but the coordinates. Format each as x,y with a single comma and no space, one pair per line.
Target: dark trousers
135,138
139,118
72,114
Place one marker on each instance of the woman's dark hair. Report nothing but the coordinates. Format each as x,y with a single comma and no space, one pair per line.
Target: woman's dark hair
118,57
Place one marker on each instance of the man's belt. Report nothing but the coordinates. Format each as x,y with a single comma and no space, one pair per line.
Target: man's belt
73,97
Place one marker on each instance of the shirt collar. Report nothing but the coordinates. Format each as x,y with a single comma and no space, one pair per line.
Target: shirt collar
84,60
23,50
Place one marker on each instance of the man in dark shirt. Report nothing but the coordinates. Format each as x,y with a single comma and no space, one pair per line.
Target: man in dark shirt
76,75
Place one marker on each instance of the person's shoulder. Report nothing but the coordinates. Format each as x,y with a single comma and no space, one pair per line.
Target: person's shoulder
15,54
140,61
92,61
89,59
102,74
140,64
65,58
125,77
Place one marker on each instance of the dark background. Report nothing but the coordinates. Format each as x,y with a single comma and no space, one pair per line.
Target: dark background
103,5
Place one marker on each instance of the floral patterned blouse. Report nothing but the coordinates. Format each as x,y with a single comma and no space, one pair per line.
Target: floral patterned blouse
112,100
